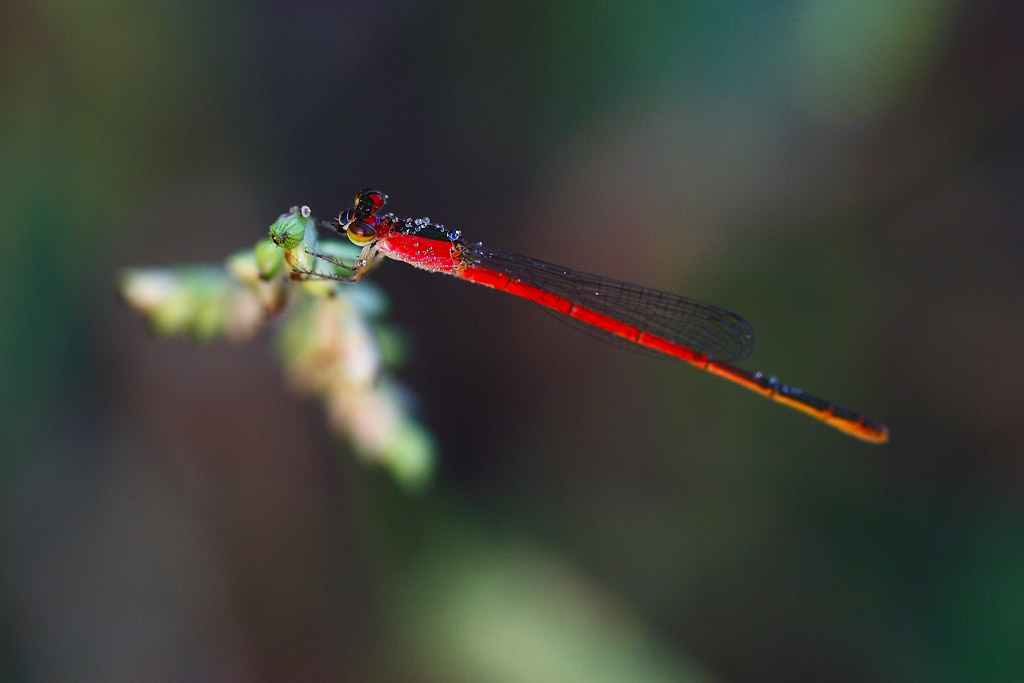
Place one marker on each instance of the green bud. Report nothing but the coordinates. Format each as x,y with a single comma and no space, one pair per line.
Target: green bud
243,266
290,228
409,454
269,259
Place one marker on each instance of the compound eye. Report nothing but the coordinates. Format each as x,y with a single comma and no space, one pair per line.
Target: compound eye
375,197
361,233
368,202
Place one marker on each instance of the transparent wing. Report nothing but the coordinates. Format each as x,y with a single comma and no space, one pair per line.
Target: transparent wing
702,327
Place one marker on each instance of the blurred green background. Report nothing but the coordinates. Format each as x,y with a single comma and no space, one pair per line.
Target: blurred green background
848,176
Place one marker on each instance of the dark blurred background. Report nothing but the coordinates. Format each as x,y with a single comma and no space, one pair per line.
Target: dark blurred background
847,176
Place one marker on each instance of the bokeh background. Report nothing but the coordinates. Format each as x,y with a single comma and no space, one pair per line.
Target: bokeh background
846,175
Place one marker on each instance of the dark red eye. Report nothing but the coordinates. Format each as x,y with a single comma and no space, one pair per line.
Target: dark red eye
368,202
378,198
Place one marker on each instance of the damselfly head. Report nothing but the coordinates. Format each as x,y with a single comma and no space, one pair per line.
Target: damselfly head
359,223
